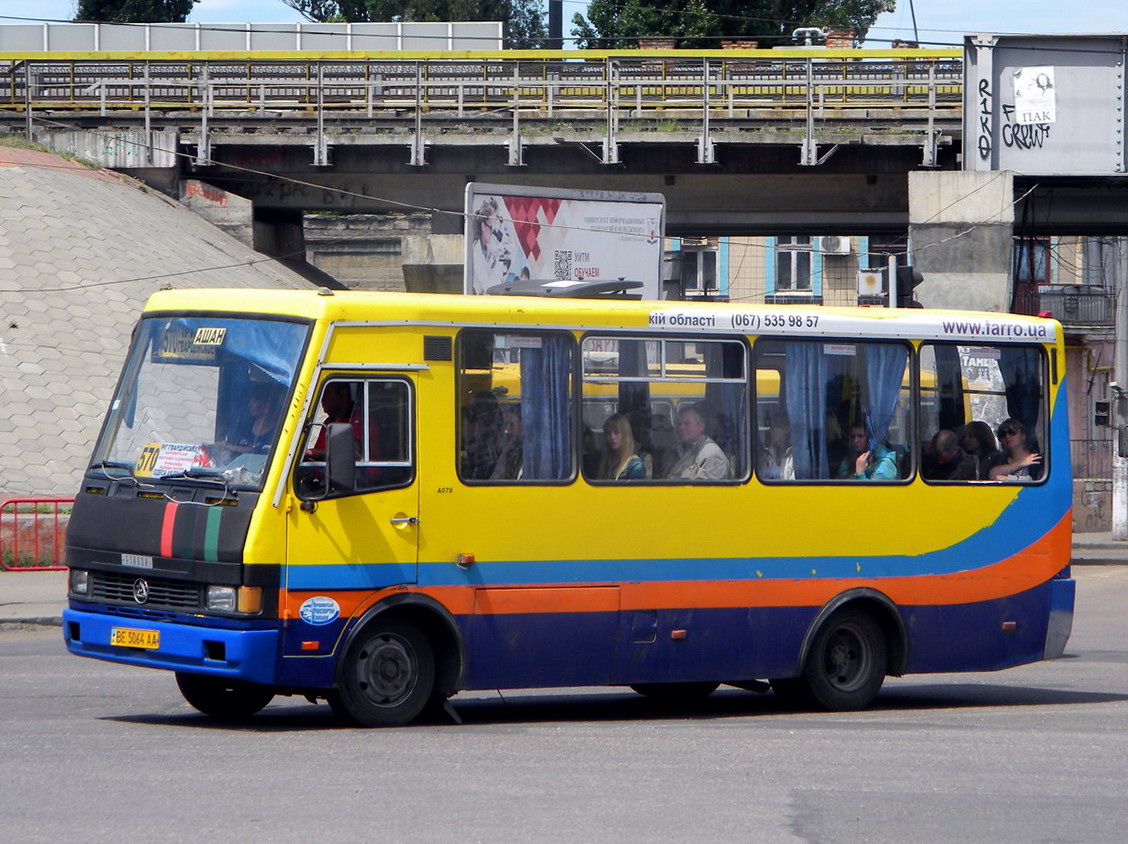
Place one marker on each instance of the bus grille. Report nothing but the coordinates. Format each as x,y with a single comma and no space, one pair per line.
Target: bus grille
162,593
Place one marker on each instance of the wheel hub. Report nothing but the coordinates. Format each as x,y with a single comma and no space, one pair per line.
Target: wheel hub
846,660
386,670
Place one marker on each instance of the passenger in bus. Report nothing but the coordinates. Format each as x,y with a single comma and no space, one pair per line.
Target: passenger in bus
619,463
644,441
699,458
338,404
945,459
1018,461
776,461
511,462
482,437
979,443
862,463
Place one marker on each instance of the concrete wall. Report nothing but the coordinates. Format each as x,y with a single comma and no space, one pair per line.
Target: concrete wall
960,231
384,251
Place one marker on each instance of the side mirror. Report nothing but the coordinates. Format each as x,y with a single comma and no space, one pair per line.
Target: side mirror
340,456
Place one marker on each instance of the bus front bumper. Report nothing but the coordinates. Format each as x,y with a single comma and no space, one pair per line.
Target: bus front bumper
248,655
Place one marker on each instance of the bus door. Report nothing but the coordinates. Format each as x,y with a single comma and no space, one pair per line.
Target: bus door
344,544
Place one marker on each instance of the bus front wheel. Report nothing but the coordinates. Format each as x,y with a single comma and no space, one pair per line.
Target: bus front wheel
227,700
387,675
846,664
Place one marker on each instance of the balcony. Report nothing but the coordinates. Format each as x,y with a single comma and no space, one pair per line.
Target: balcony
1072,304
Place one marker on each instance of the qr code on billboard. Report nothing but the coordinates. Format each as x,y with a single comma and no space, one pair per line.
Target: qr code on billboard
563,264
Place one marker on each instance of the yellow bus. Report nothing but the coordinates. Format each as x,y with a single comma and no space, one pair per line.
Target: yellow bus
380,500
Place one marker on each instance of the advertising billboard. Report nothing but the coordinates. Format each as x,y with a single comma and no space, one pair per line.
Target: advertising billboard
515,233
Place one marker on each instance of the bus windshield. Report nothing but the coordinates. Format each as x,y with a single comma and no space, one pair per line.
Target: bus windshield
201,397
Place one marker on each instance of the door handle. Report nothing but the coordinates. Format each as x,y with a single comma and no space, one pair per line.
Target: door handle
406,520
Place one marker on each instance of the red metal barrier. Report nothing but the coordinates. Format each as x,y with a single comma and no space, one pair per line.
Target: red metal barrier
33,533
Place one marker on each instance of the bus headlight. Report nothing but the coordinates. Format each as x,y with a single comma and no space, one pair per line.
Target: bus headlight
220,598
242,599
79,582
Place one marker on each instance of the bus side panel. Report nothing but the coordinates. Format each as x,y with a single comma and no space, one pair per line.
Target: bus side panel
540,649
971,637
686,645
523,650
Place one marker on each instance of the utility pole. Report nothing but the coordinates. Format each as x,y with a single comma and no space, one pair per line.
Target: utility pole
1120,394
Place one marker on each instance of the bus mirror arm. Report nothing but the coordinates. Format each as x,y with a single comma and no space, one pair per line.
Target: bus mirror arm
340,456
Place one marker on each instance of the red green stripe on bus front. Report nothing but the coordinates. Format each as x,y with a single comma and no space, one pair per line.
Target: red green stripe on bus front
177,542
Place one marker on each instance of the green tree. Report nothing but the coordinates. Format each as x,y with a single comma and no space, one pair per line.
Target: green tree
620,23
524,19
134,11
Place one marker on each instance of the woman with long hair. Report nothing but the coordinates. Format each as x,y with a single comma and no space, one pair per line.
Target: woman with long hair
978,441
619,463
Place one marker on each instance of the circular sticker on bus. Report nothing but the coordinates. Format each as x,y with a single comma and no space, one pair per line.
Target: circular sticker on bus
320,610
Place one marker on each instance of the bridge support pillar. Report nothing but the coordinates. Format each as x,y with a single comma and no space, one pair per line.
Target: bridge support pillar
960,234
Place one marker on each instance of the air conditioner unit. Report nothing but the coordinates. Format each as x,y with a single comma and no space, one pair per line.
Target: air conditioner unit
834,245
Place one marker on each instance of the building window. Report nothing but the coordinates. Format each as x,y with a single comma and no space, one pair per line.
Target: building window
1032,260
794,267
699,269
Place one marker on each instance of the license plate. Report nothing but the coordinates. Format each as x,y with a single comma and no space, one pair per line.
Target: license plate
128,637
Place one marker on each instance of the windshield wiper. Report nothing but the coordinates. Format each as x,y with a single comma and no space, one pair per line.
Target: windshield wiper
196,473
111,464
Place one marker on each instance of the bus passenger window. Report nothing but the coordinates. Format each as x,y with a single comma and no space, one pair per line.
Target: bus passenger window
379,413
664,409
832,411
515,406
991,401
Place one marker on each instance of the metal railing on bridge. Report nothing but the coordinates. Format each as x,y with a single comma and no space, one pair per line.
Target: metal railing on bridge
906,90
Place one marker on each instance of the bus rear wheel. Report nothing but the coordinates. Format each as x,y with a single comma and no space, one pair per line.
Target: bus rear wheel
219,697
387,675
846,664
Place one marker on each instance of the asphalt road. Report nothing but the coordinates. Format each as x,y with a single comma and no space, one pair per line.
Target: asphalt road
94,752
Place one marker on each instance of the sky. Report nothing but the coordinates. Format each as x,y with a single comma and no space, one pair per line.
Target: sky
939,22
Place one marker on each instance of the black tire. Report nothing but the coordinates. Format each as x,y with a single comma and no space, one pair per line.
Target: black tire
846,664
386,677
676,693
227,700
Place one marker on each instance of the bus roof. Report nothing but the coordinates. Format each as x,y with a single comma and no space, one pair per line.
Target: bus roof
674,317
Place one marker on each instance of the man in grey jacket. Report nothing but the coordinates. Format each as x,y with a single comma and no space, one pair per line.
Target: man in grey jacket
699,458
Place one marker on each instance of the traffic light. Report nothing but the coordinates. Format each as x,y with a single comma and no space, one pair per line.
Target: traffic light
1102,413
907,280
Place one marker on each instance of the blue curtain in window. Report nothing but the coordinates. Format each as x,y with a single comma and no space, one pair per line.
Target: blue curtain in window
730,401
805,377
546,416
1022,375
885,370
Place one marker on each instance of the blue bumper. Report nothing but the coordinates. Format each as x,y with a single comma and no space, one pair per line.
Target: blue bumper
249,655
